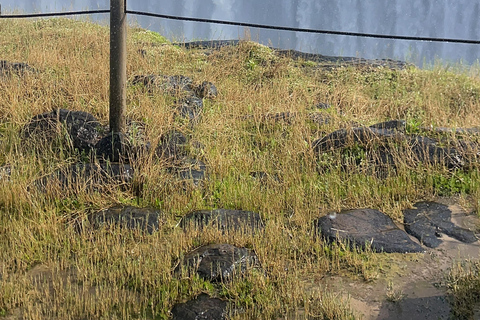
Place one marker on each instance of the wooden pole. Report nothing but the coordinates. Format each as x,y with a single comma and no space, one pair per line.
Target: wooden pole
118,68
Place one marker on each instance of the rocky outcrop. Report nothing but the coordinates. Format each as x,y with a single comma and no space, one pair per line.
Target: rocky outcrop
217,262
127,217
82,128
428,220
388,143
325,62
366,227
202,307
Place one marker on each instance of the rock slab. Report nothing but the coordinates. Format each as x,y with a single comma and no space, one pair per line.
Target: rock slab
128,217
367,227
203,307
428,220
218,262
83,128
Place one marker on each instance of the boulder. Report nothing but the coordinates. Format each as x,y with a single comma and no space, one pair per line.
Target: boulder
319,118
428,220
366,227
126,148
83,128
202,307
128,217
217,262
223,219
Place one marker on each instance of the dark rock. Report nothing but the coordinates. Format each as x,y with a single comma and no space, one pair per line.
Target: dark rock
426,150
190,170
348,137
213,44
395,125
112,147
428,219
322,106
330,62
218,262
326,62
88,176
203,307
83,128
172,145
223,219
367,227
382,136
128,217
117,147
19,68
190,108
287,117
206,90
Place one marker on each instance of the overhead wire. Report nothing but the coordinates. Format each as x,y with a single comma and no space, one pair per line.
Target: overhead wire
247,24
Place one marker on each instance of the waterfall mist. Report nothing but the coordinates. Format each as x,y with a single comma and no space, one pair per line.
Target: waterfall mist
435,18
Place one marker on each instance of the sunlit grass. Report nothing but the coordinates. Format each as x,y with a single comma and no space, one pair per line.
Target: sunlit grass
48,270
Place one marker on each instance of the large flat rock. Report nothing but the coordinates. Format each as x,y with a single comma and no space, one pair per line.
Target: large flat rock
218,262
428,220
367,227
83,129
127,217
202,307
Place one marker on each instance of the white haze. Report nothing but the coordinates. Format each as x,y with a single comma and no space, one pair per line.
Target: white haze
430,18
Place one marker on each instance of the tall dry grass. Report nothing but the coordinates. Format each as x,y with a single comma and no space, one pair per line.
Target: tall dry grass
49,271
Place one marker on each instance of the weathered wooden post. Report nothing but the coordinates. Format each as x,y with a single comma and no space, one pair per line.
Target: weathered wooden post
118,69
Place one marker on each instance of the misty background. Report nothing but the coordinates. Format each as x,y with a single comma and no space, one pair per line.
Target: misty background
427,18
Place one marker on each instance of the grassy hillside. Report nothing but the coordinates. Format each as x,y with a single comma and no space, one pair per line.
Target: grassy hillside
48,270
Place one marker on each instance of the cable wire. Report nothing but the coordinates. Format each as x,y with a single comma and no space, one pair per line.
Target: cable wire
51,14
245,24
331,32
